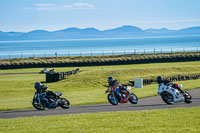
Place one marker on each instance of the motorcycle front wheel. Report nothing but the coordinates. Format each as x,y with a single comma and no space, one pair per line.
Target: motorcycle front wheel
112,99
133,98
37,105
188,97
64,103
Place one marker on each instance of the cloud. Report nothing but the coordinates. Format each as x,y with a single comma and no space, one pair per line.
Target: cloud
74,6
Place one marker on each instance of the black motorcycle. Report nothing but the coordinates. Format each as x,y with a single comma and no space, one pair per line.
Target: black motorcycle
39,104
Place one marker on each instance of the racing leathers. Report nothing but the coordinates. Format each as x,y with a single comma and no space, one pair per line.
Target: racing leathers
48,96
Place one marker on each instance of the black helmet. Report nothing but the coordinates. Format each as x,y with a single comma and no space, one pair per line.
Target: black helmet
110,79
159,79
37,85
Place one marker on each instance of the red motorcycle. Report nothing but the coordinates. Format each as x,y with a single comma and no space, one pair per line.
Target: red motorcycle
124,97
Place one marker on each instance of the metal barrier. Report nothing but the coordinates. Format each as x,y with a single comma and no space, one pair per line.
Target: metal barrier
57,76
173,78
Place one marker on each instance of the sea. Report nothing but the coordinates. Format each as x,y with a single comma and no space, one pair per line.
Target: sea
102,46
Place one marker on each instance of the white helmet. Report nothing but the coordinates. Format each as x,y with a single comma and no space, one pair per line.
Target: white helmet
180,86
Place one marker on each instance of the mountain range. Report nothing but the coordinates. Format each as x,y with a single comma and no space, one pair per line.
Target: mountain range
87,33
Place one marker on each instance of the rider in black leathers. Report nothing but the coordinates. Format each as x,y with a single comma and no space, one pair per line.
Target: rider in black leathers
46,95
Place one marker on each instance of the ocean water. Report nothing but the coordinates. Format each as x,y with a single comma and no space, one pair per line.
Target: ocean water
112,46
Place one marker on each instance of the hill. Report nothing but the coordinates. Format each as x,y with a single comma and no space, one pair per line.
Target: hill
77,33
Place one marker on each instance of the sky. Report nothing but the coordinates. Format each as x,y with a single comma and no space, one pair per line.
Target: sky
51,15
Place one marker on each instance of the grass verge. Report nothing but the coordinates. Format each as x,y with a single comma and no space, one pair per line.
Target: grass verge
87,87
179,120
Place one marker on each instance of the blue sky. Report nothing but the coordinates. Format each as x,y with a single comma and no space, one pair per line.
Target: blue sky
28,15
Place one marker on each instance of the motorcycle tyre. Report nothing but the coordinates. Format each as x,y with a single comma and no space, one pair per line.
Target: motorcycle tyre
188,100
64,106
131,101
164,98
41,107
110,101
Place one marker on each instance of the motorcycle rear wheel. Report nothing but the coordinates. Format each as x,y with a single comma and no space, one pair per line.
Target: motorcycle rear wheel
37,105
167,97
112,99
64,103
133,98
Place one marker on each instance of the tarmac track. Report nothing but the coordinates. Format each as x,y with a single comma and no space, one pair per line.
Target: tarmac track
144,104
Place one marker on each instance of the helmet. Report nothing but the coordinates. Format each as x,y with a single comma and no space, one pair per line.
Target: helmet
180,86
159,79
110,79
37,85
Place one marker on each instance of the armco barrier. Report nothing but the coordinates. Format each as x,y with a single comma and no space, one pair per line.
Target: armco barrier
57,76
173,78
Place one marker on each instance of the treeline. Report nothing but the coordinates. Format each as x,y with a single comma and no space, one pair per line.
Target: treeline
98,60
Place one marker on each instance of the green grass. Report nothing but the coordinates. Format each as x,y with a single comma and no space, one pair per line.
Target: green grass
179,120
87,87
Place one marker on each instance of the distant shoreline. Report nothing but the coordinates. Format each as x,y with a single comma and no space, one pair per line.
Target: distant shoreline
116,38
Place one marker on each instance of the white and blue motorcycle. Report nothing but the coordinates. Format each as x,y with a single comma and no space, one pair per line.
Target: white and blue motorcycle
172,95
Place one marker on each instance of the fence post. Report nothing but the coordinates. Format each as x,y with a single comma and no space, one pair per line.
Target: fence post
103,53
91,53
161,50
134,51
124,52
68,53
171,50
113,52
9,56
197,49
56,54
154,50
183,49
21,55
80,54
45,57
144,51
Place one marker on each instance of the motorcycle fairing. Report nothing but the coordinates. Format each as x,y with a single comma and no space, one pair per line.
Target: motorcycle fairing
177,97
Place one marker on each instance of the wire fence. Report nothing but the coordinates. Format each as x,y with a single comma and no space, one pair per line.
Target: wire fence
97,52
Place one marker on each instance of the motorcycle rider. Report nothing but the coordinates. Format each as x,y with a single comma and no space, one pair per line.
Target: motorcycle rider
46,94
119,89
167,82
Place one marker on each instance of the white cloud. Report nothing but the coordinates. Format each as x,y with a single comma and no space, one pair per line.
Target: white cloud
83,5
74,6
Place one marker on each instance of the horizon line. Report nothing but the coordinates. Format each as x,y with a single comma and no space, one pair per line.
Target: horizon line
97,29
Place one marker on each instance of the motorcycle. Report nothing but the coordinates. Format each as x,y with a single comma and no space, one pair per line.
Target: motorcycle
114,98
172,95
43,71
57,99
